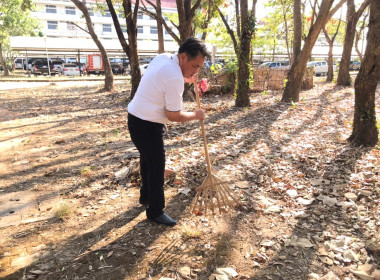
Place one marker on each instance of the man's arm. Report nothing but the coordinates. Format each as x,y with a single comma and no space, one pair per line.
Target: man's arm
180,116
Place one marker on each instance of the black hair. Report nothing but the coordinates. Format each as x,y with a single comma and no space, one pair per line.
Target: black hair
193,47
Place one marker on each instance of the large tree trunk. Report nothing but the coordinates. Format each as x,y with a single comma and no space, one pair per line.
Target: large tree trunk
330,71
297,34
365,131
131,19
160,29
108,82
131,48
242,96
352,18
297,70
5,69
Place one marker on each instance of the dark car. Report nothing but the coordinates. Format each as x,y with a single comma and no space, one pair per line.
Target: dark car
41,67
117,69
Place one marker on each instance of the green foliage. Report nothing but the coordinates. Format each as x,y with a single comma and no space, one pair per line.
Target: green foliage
16,20
215,68
231,66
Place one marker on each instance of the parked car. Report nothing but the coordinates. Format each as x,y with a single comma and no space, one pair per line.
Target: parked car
354,65
19,63
70,69
117,68
271,64
320,67
41,67
57,64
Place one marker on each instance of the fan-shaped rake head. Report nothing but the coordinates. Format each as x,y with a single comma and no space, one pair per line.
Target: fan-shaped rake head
211,195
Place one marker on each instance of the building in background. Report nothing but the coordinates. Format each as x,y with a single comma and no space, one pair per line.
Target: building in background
64,39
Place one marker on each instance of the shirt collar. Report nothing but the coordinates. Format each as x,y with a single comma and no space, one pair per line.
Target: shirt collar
175,58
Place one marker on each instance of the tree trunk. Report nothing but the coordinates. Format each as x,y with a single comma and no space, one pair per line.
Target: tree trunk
131,20
160,30
330,71
352,18
297,25
108,82
297,70
5,69
364,130
242,96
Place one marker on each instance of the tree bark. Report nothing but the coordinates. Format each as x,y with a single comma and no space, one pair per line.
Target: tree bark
352,18
242,96
243,49
160,29
131,19
297,70
108,81
5,69
297,34
364,130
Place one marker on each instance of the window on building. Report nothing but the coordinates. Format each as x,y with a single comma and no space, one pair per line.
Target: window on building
139,15
166,18
107,13
123,28
52,25
166,32
151,18
107,28
51,9
153,30
91,12
70,10
140,29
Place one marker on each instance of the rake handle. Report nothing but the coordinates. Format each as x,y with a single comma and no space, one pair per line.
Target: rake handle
203,130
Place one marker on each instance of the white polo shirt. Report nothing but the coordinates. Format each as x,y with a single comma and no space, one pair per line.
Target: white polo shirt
160,89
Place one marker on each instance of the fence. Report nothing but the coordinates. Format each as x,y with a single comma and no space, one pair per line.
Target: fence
275,79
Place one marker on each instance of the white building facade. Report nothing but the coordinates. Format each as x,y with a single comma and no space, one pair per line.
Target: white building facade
59,19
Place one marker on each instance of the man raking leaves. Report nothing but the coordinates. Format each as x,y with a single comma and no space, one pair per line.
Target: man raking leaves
157,101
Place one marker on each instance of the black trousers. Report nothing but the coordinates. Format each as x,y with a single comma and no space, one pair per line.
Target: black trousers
148,139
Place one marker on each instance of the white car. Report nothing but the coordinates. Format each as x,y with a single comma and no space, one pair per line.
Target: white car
70,69
320,67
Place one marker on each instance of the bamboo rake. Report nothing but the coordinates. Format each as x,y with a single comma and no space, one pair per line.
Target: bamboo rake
213,193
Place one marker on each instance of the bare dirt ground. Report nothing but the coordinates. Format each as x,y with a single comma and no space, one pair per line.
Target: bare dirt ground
309,201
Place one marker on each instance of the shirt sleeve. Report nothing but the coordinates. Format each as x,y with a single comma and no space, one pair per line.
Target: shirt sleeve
173,90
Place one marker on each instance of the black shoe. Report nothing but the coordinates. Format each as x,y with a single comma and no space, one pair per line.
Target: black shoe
164,220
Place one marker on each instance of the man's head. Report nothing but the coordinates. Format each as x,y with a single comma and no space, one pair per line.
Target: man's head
191,55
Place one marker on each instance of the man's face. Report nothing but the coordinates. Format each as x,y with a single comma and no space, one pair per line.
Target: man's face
190,67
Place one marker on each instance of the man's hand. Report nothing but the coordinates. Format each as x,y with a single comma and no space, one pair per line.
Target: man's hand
199,114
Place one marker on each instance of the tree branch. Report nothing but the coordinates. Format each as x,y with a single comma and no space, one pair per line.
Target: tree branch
229,30
80,27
